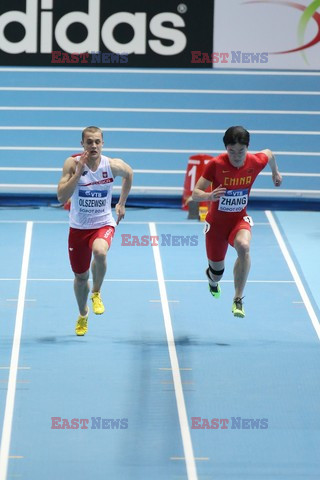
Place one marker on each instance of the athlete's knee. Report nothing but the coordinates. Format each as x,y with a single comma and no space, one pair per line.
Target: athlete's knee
242,246
242,242
99,249
81,277
99,255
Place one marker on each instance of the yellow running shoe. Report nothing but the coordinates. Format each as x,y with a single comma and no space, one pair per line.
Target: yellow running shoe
97,305
237,307
82,325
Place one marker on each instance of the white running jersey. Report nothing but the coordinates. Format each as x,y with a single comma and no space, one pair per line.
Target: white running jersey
91,200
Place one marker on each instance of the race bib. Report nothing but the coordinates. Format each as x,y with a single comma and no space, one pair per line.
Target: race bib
233,200
92,201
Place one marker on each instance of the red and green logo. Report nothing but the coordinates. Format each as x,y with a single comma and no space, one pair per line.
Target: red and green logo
309,12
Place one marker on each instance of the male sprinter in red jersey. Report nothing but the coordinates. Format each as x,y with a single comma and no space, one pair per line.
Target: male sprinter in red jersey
231,176
88,180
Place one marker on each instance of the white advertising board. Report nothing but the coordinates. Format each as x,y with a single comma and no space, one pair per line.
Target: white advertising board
267,34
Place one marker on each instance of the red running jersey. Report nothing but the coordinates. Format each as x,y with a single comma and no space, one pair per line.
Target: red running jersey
237,181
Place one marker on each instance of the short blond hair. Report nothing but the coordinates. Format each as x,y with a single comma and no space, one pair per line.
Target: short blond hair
91,129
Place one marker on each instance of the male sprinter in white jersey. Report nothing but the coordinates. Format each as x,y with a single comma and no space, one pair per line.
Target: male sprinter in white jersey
88,180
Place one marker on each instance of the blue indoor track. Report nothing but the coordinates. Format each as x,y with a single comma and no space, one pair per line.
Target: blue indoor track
165,357
164,352
154,120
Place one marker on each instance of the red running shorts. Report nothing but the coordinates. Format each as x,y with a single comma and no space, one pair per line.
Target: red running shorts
80,245
220,235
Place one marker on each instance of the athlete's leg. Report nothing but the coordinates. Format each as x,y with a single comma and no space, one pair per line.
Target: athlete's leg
215,272
98,268
243,262
216,247
99,263
81,290
80,255
100,244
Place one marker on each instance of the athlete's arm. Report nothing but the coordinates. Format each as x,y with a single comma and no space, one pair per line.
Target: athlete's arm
276,175
199,193
120,168
71,173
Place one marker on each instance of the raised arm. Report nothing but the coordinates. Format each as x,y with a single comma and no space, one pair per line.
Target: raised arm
121,169
276,175
70,175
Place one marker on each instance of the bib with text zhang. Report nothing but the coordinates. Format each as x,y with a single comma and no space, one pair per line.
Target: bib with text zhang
233,201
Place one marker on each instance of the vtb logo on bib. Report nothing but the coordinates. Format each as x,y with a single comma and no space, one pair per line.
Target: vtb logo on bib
234,200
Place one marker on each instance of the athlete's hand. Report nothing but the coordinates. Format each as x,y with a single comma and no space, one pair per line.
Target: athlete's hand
120,211
82,162
277,179
217,193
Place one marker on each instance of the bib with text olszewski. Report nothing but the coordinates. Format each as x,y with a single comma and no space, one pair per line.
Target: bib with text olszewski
234,200
92,201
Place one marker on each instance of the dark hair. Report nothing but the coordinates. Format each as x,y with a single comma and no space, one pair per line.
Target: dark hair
91,129
236,135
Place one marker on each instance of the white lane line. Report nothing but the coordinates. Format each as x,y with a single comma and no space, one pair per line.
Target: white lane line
169,369
57,169
134,280
284,192
53,187
19,368
292,174
196,458
159,301
155,189
143,150
18,381
170,382
183,419
159,90
170,71
9,407
123,222
294,273
30,169
148,171
16,299
160,110
159,130
44,221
